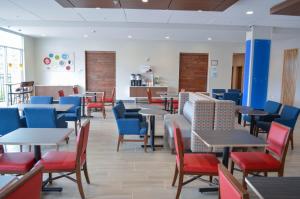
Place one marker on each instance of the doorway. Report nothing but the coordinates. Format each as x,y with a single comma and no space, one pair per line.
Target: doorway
193,70
100,71
237,75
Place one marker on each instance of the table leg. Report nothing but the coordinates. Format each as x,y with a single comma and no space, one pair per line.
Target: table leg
225,159
152,131
83,107
171,108
165,103
252,124
10,91
37,152
239,118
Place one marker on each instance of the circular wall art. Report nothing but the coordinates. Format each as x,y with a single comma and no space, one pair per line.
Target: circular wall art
47,60
68,67
64,56
57,57
62,63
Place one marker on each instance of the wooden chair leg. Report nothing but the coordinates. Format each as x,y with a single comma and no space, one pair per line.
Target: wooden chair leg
86,174
79,183
266,174
179,185
119,141
292,141
210,178
231,167
175,176
50,178
244,182
145,142
76,128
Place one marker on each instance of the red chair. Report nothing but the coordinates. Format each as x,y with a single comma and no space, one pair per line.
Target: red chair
111,100
75,90
151,100
229,187
61,93
250,162
71,162
15,163
192,164
96,105
29,186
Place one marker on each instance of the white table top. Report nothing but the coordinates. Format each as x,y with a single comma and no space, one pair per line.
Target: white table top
233,138
36,136
58,107
6,180
152,112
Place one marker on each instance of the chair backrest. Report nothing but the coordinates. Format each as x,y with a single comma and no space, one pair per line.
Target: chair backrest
290,114
29,186
272,107
233,90
82,140
149,95
179,147
218,90
113,92
75,90
61,93
118,111
41,100
9,120
41,117
233,97
76,101
277,140
229,187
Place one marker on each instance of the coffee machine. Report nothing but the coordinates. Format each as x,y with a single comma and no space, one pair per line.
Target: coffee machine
133,80
138,80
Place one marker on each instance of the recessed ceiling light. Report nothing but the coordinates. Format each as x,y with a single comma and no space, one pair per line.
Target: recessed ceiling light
209,38
167,37
145,1
85,36
129,36
249,12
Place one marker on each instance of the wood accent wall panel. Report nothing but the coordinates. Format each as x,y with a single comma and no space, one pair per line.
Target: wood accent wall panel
47,90
142,91
100,71
152,4
193,71
288,7
289,76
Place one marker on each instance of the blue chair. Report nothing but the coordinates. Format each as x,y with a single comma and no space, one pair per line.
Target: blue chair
215,91
130,113
9,120
233,97
41,100
44,118
234,91
288,117
271,107
74,114
129,126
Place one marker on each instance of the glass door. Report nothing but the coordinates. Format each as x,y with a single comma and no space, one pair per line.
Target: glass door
2,74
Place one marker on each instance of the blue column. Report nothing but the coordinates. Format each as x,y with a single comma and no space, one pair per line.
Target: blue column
256,69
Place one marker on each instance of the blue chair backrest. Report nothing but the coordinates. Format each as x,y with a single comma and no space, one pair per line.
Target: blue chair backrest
41,100
76,101
291,114
41,117
272,107
9,120
233,90
233,97
118,111
215,90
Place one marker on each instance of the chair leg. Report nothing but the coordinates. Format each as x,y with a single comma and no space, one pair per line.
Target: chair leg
231,167
244,182
29,148
145,142
175,175
75,127
50,178
292,141
86,174
79,183
210,178
119,141
179,185
266,174
103,112
21,148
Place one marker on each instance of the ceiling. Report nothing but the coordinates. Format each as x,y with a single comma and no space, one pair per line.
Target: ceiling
46,18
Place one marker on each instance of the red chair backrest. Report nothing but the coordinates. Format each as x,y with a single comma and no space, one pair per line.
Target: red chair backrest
75,90
149,95
229,187
61,93
82,140
29,186
1,149
179,147
113,92
278,139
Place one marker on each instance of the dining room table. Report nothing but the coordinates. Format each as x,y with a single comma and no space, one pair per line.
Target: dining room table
275,187
58,107
227,139
37,137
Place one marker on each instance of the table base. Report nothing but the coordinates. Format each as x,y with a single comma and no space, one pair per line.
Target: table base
52,189
208,189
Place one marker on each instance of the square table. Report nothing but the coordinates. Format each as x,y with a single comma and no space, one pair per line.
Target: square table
275,187
58,107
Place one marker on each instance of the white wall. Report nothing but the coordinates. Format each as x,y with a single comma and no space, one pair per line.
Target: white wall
130,54
276,68
29,57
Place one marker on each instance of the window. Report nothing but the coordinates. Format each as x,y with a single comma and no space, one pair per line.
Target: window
11,61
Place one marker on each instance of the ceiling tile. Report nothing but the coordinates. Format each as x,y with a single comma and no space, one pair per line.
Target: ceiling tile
102,14
148,16
10,11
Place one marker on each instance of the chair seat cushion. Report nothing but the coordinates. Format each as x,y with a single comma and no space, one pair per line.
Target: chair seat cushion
58,161
255,161
109,100
200,163
70,116
19,162
95,105
157,101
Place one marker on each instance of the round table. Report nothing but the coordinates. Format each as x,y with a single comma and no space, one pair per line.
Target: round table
150,113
